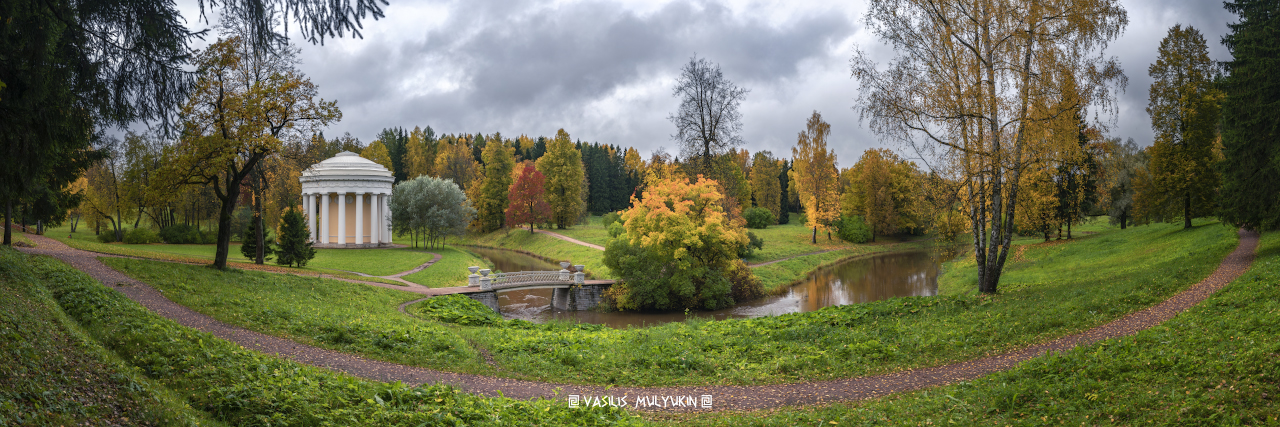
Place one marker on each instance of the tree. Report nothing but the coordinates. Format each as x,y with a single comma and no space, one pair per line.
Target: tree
72,69
249,243
1119,168
815,175
707,122
962,87
454,162
881,189
430,208
1185,112
106,194
1251,117
528,202
677,246
765,186
417,160
499,161
295,240
377,153
562,165
233,121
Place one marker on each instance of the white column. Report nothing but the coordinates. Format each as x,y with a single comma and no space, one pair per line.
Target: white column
306,213
386,209
311,216
382,219
324,215
359,218
342,218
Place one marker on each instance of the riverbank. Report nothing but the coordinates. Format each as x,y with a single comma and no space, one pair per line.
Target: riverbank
1214,364
835,342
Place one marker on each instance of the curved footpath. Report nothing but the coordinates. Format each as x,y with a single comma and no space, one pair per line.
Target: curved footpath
571,240
724,397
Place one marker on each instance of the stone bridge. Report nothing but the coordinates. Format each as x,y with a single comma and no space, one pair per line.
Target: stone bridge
571,290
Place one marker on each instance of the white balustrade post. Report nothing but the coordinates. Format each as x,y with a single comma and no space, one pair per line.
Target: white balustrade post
324,215
359,218
342,218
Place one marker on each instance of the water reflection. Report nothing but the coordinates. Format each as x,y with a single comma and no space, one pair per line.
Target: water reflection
851,282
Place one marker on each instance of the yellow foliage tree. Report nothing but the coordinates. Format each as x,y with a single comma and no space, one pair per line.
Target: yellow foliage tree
455,162
765,186
814,173
566,178
416,161
377,153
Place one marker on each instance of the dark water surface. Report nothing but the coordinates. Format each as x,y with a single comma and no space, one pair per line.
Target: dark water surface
859,280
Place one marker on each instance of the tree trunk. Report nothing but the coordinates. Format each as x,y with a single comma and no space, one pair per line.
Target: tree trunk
261,251
75,220
1068,230
815,235
139,220
8,222
1124,219
1186,211
224,226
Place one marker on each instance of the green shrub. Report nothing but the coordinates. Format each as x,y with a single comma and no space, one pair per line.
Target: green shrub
107,236
758,217
180,234
610,218
853,229
458,309
744,286
139,236
754,243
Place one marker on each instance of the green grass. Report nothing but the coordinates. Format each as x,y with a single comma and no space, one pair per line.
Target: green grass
546,247
593,232
376,262
451,270
1057,290
1218,363
52,373
244,387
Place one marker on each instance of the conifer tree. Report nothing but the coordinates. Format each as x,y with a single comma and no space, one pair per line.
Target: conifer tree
295,240
249,242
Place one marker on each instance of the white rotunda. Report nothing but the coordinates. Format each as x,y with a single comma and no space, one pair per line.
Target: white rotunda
350,197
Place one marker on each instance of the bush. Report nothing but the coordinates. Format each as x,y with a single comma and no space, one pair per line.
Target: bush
459,309
758,217
139,236
753,243
610,218
744,286
107,236
853,229
181,234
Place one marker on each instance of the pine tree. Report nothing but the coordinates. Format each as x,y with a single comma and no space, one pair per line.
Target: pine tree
249,242
295,243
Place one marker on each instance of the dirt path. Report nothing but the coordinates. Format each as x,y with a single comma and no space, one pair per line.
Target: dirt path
399,277
724,397
571,240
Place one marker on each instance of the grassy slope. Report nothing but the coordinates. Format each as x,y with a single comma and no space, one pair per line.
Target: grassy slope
547,247
242,387
1042,300
1216,364
451,270
52,373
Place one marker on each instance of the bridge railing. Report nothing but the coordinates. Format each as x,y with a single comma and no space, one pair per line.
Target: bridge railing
529,276
487,281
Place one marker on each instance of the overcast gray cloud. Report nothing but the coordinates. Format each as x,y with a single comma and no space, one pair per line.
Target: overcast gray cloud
603,70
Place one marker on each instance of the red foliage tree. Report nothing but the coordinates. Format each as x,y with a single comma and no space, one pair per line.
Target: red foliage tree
528,206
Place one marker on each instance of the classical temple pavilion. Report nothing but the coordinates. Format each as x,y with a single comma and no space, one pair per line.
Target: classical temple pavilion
348,200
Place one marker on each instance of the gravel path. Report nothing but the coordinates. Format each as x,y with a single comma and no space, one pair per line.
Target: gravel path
399,277
571,240
724,397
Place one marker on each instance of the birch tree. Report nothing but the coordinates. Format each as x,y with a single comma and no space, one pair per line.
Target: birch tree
961,89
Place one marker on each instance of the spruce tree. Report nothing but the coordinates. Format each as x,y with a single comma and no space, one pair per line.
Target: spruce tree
249,242
295,244
1251,117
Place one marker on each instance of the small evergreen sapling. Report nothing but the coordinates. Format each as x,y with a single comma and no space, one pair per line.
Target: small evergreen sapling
295,244
249,242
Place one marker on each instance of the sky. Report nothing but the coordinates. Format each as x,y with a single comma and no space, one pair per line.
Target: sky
604,70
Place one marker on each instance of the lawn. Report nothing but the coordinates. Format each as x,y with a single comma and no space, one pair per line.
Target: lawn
546,247
451,270
1218,363
375,262
1091,280
223,380
52,373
